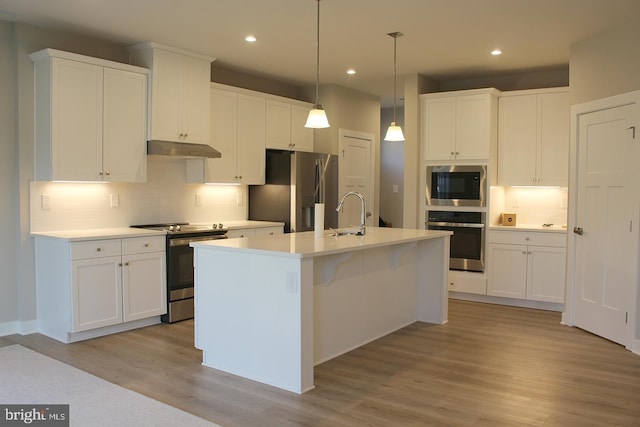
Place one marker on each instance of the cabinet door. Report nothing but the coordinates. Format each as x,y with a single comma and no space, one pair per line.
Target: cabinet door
125,126
278,125
224,123
473,127
546,274
196,86
76,115
517,140
507,270
144,291
166,117
251,139
302,138
553,154
96,293
439,128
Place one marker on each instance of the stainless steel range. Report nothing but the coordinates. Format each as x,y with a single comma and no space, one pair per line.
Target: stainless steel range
180,263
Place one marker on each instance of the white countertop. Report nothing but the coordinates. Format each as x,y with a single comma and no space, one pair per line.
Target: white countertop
530,227
98,233
236,225
305,245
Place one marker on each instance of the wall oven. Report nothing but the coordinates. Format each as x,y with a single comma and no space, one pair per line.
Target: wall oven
456,185
467,241
180,289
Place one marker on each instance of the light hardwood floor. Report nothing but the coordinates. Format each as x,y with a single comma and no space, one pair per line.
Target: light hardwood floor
490,365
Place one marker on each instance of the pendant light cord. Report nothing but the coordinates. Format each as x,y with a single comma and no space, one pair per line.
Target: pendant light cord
317,51
395,79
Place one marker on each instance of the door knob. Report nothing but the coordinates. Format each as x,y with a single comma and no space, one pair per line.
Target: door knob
578,230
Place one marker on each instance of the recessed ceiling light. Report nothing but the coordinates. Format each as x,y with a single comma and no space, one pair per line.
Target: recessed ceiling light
250,38
351,71
496,52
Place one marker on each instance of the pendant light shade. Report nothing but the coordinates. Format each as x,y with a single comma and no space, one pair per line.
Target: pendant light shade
394,132
317,118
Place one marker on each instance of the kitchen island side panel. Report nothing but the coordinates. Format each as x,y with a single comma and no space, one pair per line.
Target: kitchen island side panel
253,316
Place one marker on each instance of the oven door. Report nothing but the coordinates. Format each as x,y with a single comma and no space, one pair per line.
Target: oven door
466,245
180,266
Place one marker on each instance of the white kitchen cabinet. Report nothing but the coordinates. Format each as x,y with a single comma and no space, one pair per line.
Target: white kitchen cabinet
459,125
95,287
527,265
91,119
238,132
179,92
257,231
533,137
285,126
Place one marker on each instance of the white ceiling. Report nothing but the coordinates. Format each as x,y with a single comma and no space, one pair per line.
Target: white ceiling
442,38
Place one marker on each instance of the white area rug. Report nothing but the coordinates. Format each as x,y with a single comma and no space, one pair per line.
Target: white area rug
28,377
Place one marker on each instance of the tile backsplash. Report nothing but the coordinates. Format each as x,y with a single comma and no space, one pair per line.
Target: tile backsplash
165,197
532,206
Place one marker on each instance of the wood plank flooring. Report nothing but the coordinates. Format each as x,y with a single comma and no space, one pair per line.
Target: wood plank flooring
489,366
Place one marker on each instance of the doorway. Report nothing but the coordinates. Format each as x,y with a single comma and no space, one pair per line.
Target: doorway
602,274
356,173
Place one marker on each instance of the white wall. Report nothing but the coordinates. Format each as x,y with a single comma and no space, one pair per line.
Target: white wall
607,64
8,179
391,171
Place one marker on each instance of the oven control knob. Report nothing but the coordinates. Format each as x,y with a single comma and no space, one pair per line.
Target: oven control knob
177,227
171,228
220,225
214,226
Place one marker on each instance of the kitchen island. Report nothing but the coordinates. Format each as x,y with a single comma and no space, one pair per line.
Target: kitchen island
270,308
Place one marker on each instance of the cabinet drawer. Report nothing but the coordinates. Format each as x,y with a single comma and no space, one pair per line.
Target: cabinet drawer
268,231
95,249
531,238
241,232
140,245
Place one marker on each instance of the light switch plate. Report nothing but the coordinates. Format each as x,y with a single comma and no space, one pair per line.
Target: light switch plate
114,200
45,202
198,199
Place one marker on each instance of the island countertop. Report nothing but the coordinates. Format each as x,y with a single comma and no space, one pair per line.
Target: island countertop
306,245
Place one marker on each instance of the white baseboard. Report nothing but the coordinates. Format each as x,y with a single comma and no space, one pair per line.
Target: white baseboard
539,305
18,327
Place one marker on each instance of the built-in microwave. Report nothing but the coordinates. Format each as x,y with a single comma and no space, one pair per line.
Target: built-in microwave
456,185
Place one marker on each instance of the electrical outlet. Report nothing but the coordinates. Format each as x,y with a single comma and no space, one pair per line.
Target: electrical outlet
45,202
395,188
198,199
292,282
515,203
114,200
239,199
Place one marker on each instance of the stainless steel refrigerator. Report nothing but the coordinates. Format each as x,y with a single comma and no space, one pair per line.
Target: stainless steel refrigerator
294,183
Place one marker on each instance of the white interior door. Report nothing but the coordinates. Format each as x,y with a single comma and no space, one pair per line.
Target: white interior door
355,174
607,215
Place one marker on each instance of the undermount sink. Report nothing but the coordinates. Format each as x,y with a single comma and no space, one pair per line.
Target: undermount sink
346,232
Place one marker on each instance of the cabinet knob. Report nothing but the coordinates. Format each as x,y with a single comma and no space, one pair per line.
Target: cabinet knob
126,264
108,173
526,238
186,135
524,252
98,249
100,173
457,153
452,153
146,245
119,264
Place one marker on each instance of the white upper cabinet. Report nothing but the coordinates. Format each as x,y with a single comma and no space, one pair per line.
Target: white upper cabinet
238,132
91,118
533,137
180,83
459,125
285,125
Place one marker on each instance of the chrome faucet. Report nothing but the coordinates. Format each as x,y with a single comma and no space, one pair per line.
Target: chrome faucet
361,228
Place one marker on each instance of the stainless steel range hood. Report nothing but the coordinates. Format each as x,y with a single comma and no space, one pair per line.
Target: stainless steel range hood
181,149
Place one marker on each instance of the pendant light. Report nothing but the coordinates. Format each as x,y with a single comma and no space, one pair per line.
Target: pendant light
394,132
317,118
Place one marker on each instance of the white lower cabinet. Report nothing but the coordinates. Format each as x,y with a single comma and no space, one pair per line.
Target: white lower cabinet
87,285
526,265
257,231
